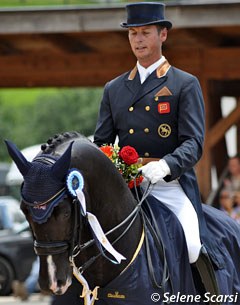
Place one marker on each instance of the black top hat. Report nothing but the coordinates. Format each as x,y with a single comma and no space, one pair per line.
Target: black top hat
144,13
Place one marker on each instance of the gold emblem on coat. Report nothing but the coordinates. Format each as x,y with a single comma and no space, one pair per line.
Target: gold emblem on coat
164,130
116,295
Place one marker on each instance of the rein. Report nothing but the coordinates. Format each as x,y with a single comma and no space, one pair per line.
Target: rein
130,218
74,246
153,228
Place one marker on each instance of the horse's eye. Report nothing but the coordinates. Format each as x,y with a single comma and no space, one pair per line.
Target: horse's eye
66,214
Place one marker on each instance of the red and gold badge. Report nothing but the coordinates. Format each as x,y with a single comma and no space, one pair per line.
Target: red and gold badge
164,107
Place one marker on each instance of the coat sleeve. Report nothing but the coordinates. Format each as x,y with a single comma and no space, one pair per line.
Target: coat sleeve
191,129
105,132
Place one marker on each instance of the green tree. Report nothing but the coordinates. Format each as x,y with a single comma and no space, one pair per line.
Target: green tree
11,125
69,110
51,113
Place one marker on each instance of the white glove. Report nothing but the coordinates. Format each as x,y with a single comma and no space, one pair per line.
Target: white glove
155,170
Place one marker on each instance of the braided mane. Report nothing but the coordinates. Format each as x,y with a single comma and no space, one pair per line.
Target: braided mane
58,139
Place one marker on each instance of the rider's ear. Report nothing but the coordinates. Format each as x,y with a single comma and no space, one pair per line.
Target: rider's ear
61,166
22,164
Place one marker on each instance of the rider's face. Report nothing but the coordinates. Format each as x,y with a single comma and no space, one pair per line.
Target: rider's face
146,43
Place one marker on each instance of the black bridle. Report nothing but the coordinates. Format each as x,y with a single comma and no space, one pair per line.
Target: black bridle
74,246
45,248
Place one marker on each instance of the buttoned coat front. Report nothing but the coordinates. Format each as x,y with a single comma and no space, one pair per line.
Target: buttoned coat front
161,118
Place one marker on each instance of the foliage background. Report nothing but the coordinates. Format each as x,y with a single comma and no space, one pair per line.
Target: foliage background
31,116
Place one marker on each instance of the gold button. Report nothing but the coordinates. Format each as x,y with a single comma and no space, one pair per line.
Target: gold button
147,108
156,98
130,109
146,154
131,131
146,130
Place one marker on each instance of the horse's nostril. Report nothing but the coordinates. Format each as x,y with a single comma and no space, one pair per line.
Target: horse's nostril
58,292
60,283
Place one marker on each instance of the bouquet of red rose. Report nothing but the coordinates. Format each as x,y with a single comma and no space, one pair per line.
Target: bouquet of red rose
126,161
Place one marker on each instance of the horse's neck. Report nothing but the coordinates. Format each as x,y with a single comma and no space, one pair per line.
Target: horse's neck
110,200
115,205
114,210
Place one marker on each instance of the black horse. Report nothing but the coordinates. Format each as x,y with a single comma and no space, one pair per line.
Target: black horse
71,191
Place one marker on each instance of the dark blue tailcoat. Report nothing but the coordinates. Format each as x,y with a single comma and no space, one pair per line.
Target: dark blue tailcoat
162,118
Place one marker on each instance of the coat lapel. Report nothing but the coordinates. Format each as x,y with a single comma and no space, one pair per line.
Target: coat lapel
156,79
133,81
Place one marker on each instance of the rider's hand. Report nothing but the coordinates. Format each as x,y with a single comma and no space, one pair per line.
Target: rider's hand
155,170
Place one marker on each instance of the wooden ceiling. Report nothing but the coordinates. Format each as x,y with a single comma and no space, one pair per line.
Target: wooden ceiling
69,59
82,46
93,58
86,47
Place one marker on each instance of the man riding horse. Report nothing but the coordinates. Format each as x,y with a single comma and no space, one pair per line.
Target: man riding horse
159,110
162,117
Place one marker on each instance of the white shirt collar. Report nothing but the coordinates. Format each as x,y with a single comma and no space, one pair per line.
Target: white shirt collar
144,73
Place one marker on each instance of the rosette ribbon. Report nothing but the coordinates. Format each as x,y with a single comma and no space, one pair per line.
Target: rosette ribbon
75,184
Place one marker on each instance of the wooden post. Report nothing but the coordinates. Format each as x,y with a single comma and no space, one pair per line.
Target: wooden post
238,130
203,168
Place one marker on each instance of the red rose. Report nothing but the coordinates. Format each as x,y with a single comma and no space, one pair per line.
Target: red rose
107,150
137,182
129,155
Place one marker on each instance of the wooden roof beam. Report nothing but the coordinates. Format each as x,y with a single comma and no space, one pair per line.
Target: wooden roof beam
217,132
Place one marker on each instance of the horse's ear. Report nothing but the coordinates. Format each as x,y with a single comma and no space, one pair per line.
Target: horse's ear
22,164
61,166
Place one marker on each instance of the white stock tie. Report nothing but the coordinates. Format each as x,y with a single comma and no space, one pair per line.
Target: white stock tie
144,77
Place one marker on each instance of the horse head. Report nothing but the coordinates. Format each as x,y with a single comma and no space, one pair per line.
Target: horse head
68,180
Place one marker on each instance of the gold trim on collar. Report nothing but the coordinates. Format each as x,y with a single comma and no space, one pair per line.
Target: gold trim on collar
160,71
132,73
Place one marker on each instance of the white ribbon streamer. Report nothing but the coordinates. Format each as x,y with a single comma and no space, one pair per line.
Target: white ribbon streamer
81,198
97,229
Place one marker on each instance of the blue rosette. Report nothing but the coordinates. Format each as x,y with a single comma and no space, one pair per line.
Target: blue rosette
74,182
